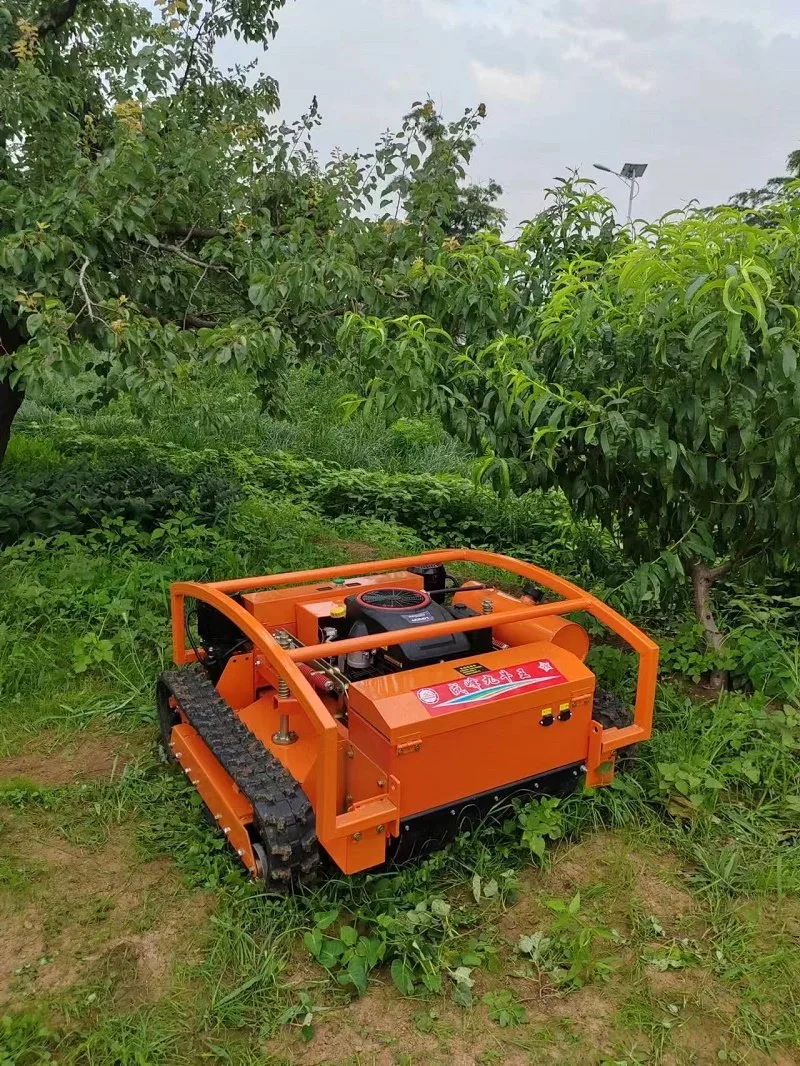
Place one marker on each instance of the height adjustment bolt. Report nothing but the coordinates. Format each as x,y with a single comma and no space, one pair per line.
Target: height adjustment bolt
487,606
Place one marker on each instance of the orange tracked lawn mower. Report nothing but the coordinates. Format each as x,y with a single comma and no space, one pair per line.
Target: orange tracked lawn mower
369,712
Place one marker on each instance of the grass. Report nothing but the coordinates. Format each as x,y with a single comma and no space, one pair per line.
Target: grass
221,408
659,924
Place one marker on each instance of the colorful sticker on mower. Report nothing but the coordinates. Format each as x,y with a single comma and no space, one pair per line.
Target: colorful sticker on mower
495,685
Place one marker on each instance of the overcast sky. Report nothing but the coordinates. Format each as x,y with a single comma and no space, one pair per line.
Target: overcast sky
705,91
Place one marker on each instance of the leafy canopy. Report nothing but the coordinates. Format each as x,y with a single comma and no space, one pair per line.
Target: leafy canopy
654,379
152,215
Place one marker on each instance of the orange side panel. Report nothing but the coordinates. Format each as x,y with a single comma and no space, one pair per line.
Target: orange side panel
263,718
392,702
228,806
448,767
599,766
237,684
442,754
277,607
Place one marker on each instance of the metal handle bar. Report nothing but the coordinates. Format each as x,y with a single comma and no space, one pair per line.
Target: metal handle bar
435,629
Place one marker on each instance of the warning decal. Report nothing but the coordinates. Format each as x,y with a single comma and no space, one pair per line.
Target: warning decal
493,685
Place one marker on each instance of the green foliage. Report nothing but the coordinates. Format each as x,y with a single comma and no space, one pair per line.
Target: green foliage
25,1040
540,821
423,945
504,1008
567,954
80,498
103,172
443,509
654,380
153,219
756,653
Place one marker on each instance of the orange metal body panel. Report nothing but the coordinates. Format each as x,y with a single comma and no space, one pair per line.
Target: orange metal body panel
561,632
389,703
394,758
218,789
277,608
448,757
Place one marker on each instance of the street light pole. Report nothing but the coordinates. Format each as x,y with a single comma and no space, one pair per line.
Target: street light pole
629,173
631,183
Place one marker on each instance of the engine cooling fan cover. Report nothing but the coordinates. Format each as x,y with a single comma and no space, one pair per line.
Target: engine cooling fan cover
394,599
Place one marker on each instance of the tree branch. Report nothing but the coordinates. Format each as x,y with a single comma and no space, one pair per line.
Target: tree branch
177,250
199,233
57,17
82,285
185,321
714,572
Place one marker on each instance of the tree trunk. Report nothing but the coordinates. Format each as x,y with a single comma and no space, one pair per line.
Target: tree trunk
703,577
11,338
10,402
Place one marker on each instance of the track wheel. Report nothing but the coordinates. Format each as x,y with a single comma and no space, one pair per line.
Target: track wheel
285,840
612,713
167,718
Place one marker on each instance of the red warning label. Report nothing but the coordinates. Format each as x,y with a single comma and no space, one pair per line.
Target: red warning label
492,685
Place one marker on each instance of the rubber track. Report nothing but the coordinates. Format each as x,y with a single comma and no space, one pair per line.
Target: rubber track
282,815
610,711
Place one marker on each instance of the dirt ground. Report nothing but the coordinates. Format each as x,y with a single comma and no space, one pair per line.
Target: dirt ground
79,919
72,916
51,762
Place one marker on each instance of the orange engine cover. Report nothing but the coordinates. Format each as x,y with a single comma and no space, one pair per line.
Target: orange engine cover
450,731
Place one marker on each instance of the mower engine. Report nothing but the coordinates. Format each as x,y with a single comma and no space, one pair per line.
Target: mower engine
387,610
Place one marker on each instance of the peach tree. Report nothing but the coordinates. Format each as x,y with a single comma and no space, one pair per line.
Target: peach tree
654,380
153,217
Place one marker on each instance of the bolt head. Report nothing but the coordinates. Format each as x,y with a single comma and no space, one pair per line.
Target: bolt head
380,829
381,782
356,836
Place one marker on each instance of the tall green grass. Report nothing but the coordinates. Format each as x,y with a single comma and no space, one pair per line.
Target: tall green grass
222,409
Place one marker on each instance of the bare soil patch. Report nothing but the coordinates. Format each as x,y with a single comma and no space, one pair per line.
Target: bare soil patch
49,762
357,551
92,914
